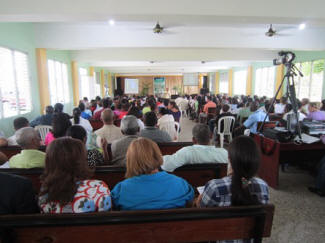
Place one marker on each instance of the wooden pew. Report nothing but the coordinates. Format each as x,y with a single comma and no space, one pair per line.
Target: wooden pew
174,225
196,175
166,148
172,147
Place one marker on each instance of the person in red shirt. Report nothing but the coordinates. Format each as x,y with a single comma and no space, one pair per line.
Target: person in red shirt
209,104
106,104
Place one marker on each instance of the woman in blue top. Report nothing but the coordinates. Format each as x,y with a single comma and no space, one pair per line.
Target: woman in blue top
146,187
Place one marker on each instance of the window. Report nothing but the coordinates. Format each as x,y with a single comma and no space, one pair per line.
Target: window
58,82
87,84
15,98
311,84
223,83
240,79
265,81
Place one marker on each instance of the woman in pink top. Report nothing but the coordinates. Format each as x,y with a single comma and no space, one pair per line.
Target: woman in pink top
60,125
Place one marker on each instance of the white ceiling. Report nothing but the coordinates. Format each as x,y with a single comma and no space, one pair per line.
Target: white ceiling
222,33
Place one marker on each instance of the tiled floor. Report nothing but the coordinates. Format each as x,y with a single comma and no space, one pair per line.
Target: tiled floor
299,215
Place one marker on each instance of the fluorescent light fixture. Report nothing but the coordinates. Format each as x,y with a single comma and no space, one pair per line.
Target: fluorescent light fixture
302,26
111,22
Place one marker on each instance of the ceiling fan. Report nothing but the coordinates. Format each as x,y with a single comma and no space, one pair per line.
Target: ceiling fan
271,32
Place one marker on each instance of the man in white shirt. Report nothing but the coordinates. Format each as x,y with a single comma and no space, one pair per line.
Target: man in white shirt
201,152
109,131
289,111
279,108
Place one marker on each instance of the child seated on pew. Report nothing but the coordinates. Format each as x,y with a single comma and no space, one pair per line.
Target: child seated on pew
146,187
66,185
241,187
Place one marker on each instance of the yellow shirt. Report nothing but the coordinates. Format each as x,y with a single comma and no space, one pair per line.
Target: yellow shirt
28,158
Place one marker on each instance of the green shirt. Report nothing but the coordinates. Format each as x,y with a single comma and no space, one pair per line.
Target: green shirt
28,158
146,109
244,113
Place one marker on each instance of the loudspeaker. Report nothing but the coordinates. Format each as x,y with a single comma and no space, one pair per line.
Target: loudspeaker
205,82
204,91
118,90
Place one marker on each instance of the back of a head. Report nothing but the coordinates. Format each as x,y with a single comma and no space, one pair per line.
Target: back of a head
20,122
173,104
163,111
135,111
76,115
125,105
288,107
129,125
106,103
143,156
244,157
58,108
201,134
65,165
107,116
82,106
26,136
49,109
77,132
60,124
225,108
283,100
150,119
254,106
166,102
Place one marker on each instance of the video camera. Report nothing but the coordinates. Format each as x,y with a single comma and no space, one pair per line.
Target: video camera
285,57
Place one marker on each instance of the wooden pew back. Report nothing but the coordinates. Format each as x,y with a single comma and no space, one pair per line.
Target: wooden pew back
196,175
175,225
165,148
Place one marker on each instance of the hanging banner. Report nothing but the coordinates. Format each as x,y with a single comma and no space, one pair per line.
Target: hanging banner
159,85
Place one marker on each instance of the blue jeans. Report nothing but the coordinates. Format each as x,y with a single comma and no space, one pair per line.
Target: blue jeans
320,179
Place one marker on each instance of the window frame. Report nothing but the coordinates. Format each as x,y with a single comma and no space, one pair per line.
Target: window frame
226,74
234,82
54,60
28,68
267,74
298,79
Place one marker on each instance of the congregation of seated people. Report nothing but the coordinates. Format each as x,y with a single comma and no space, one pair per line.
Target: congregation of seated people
74,149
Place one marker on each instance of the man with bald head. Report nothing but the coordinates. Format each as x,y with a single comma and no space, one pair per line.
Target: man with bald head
109,131
30,157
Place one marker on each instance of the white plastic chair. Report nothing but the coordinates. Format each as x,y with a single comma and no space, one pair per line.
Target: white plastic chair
183,108
43,130
228,121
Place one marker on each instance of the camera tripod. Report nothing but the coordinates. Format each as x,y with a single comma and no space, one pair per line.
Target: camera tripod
291,71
